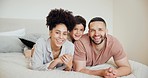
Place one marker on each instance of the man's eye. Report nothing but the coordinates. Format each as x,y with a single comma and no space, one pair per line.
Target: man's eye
100,29
92,30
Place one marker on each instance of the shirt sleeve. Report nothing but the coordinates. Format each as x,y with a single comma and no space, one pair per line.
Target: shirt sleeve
79,53
38,57
118,52
69,48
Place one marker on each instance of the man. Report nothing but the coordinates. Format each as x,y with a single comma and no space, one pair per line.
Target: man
97,47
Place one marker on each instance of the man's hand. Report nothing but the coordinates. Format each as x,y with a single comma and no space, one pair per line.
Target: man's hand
110,73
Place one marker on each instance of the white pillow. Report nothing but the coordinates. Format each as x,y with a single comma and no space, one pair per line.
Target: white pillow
10,44
18,33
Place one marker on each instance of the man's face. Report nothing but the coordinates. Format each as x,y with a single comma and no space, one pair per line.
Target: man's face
97,32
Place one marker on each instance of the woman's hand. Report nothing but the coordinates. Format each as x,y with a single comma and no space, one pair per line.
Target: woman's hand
67,60
58,60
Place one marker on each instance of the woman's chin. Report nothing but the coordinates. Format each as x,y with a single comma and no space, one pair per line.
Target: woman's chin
59,44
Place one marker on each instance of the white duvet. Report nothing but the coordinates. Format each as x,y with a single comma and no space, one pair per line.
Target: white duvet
15,65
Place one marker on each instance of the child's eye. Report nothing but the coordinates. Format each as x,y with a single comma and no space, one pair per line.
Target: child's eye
75,28
82,30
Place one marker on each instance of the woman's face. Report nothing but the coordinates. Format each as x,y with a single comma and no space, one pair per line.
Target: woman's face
77,32
58,35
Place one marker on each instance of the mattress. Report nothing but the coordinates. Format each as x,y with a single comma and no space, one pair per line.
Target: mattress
15,65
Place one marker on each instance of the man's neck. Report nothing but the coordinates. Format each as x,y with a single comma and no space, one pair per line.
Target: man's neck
100,47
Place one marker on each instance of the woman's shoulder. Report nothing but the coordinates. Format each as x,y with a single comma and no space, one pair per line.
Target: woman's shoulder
42,40
68,47
68,43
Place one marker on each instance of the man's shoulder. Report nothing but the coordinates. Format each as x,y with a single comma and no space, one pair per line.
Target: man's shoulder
111,38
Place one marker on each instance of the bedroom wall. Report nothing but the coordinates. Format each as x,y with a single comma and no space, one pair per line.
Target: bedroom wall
126,19
131,27
39,9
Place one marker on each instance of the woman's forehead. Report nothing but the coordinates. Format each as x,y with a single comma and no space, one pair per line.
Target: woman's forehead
60,28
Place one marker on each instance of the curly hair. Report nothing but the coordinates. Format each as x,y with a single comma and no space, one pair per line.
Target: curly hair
60,16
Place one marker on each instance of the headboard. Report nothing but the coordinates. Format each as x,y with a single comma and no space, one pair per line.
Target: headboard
30,25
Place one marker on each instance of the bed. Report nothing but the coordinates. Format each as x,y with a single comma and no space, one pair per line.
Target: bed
13,63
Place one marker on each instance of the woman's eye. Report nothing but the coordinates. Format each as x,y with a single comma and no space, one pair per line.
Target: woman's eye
65,34
57,33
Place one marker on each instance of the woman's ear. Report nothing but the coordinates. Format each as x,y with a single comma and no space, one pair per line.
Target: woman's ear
49,33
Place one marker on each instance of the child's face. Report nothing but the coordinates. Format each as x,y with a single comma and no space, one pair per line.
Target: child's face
77,32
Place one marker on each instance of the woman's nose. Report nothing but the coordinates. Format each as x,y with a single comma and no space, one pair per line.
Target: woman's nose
61,36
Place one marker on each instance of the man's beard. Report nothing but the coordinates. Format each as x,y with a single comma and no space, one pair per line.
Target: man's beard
102,39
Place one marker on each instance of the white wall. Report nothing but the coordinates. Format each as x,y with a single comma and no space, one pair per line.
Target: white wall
131,27
38,9
129,17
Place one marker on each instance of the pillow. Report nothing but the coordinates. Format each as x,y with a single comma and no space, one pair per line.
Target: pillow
20,32
30,39
28,43
10,44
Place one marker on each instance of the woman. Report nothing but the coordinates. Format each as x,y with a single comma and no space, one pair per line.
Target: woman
56,51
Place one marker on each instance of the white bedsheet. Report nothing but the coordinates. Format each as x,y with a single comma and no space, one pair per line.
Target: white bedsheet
14,65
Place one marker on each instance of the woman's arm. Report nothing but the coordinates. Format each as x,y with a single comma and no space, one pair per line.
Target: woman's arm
53,63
